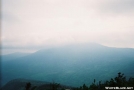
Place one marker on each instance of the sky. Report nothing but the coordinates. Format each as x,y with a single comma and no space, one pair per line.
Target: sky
30,25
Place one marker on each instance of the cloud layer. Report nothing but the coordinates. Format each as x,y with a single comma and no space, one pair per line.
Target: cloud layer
45,23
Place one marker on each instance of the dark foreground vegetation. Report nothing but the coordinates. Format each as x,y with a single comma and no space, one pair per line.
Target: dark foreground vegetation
120,82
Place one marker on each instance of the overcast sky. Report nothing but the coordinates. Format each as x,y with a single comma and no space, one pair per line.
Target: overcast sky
30,25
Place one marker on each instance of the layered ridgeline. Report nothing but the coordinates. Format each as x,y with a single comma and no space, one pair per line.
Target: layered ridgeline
27,84
71,65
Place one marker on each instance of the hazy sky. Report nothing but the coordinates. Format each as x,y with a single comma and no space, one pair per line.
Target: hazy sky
29,25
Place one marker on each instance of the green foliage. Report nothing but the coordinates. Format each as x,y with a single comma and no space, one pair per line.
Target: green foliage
119,81
28,86
54,86
33,88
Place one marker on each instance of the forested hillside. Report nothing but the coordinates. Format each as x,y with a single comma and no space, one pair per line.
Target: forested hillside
71,65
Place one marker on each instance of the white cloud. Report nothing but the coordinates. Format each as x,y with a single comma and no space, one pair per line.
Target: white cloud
34,23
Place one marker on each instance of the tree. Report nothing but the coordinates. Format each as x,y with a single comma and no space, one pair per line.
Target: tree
28,86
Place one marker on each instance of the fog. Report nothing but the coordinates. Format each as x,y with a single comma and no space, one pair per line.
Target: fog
30,25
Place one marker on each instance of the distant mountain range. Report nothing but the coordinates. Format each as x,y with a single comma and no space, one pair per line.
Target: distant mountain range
71,65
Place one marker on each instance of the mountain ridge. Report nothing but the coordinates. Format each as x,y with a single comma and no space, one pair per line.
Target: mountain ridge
71,63
20,83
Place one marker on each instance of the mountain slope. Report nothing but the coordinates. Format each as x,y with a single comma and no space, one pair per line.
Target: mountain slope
71,65
11,56
20,84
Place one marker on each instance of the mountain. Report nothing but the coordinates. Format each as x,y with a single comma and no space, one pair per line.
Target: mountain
71,65
8,57
13,56
20,84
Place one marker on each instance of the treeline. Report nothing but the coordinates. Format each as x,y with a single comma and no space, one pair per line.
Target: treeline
114,83
119,82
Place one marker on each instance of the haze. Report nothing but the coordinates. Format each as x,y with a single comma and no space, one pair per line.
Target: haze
30,25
